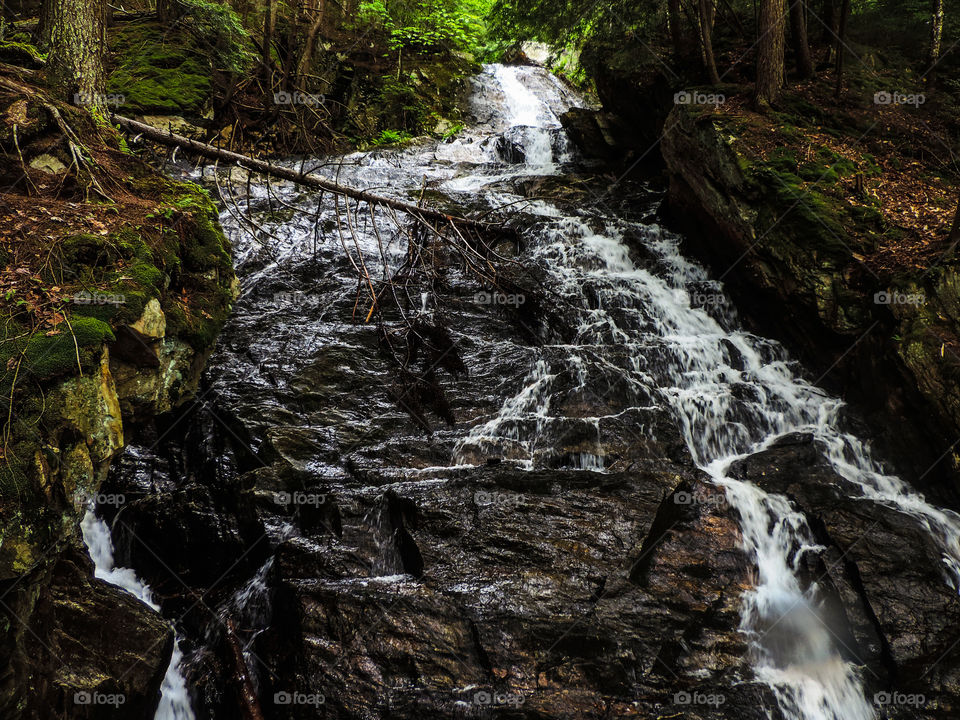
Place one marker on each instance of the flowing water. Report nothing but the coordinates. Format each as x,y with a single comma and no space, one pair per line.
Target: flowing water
656,332
174,698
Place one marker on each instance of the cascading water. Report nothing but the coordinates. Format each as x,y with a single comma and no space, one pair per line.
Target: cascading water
657,333
733,394
174,698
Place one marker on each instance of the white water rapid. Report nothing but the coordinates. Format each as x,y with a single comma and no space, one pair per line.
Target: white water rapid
732,393
174,698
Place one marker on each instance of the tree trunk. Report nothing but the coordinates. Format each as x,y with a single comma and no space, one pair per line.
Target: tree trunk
266,59
830,27
310,46
955,230
708,12
676,32
841,41
770,50
73,33
269,20
168,11
801,45
936,40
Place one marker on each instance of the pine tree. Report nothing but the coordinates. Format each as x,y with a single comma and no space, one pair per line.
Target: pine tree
770,50
73,32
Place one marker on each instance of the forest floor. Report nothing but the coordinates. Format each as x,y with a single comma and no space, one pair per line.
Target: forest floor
881,159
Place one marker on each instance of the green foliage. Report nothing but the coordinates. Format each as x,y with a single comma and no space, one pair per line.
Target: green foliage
392,137
219,28
452,132
427,27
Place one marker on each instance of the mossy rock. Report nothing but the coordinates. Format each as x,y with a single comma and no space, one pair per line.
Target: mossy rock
76,344
21,52
157,69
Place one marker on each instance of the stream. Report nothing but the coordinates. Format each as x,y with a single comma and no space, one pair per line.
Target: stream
639,367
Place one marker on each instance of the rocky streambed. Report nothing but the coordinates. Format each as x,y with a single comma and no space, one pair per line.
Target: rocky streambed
615,503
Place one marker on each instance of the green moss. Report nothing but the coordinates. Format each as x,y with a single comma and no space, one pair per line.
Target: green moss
869,166
158,70
203,246
145,274
50,356
38,356
21,52
797,216
866,215
839,164
818,173
131,244
783,161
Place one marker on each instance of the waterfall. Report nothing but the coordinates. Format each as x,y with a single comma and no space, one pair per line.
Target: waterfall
174,698
662,335
733,394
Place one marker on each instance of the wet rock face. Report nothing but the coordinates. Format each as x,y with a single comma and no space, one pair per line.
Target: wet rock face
184,536
544,594
402,587
88,649
880,576
532,541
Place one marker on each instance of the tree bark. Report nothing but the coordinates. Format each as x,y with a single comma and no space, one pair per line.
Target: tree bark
841,41
828,33
73,33
708,12
801,44
955,230
936,40
676,32
310,46
269,20
168,11
249,163
249,704
770,50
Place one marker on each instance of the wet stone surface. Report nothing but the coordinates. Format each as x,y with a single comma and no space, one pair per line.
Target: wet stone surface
558,522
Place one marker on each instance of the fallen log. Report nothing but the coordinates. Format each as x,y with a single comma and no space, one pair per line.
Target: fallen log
249,704
309,179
